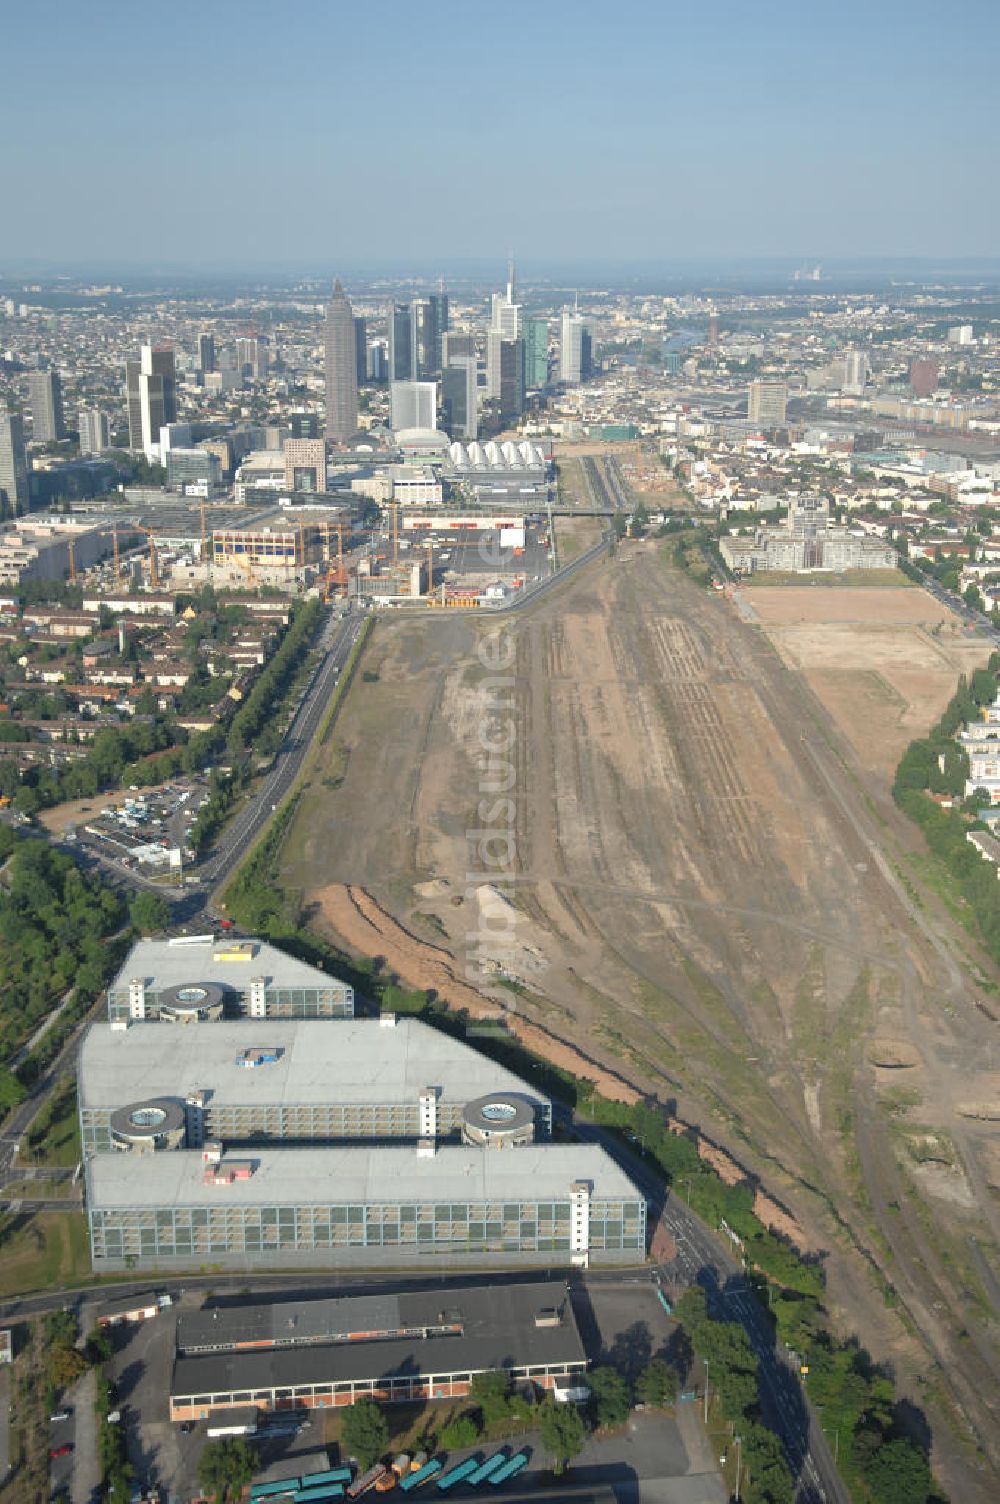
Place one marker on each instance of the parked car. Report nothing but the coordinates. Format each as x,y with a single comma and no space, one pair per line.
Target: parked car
62,1451
61,1414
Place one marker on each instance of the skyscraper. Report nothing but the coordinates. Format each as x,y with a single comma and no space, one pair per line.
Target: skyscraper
151,393
206,353
400,343
45,397
575,348
536,353
252,357
766,403
511,379
94,432
412,404
361,348
923,377
14,497
341,368
505,322
458,398
713,330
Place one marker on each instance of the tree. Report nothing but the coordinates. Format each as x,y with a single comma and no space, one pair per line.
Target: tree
225,1467
657,1385
459,1434
562,1431
898,1474
609,1397
365,1432
490,1392
149,912
64,1365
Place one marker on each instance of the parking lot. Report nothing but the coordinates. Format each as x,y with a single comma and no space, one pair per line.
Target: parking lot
138,827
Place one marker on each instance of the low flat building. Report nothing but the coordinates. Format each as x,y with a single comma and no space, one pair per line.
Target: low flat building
363,1207
419,1345
196,977
297,1080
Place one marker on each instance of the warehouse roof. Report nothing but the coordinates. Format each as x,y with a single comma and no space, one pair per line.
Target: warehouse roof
358,1176
498,1330
203,958
319,1061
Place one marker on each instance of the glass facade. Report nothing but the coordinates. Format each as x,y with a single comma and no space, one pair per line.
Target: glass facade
334,1000
149,1234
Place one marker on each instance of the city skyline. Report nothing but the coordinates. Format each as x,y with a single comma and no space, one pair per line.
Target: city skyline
675,135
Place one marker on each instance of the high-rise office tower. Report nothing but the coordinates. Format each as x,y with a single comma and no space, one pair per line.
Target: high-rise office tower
461,346
536,354
400,343
511,379
766,403
412,404
378,362
206,353
14,496
423,337
713,329
459,398
439,306
574,349
855,371
95,435
303,425
505,321
45,398
361,348
252,357
341,368
151,391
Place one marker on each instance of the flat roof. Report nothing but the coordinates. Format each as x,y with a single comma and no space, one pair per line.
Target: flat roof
321,1061
171,963
359,1175
498,1331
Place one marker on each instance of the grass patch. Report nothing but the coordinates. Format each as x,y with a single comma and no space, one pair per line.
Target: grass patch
54,1135
43,1251
850,577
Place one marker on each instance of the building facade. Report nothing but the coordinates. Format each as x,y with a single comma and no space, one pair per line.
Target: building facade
45,399
289,1207
340,350
305,464
400,343
536,354
412,404
767,402
14,495
95,434
575,358
196,978
459,398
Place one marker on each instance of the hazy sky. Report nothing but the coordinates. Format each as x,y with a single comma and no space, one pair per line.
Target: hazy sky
297,131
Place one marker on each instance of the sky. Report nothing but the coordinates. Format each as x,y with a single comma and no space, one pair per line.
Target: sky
324,133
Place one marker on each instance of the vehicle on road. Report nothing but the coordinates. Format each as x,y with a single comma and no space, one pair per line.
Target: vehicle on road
60,1414
62,1451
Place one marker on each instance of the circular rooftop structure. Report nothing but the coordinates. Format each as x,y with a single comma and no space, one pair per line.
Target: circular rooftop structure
499,1118
193,1000
146,1127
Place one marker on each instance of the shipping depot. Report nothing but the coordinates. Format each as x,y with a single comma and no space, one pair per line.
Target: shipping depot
234,1112
419,1345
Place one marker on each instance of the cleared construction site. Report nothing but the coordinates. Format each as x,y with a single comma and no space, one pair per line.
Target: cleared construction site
699,888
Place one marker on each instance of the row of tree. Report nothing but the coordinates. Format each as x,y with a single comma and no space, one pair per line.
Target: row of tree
936,764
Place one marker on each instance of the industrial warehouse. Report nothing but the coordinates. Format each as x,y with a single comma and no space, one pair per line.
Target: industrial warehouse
282,1207
197,977
296,1079
413,1346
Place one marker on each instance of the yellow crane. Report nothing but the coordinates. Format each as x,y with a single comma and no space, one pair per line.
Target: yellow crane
154,572
114,545
71,546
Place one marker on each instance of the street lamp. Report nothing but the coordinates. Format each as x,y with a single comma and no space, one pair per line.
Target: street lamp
739,1464
705,1361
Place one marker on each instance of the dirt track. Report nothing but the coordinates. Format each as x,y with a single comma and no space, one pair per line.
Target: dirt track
699,895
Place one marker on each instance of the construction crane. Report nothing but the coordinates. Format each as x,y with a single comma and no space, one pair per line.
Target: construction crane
394,509
203,537
429,545
114,545
154,573
71,546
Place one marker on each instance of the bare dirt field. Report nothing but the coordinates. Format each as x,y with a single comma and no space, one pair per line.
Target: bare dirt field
884,662
634,825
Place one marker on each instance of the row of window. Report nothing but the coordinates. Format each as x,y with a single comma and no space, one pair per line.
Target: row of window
630,1212
367,1386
